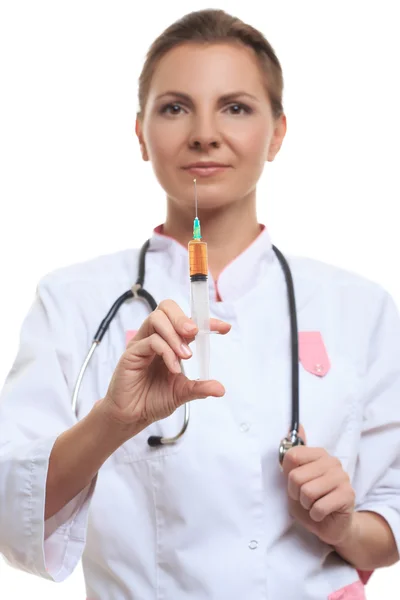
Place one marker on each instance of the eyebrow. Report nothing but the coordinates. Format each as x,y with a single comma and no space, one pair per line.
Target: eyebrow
224,98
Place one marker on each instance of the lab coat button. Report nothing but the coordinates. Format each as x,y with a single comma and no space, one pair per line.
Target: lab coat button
244,427
253,544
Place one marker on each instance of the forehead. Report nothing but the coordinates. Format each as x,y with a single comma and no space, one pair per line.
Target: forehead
219,66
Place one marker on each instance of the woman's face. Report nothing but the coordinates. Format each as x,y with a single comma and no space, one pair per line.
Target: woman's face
209,103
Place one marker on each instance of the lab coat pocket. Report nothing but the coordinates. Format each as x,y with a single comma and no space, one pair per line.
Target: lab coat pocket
354,591
329,388
138,448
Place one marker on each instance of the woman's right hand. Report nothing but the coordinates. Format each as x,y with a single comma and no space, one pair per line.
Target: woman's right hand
147,384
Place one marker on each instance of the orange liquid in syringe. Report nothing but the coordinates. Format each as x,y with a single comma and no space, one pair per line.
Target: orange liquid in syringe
198,262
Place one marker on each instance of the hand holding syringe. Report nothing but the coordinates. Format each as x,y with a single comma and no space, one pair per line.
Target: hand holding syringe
200,309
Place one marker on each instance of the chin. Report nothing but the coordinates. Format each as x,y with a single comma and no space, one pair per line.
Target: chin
206,200
212,193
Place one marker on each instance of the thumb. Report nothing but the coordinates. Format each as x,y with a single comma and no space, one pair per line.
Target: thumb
187,390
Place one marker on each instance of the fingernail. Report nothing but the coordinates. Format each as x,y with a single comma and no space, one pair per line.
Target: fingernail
177,366
189,327
186,350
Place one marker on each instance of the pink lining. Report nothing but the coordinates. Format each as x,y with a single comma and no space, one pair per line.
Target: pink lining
354,591
129,335
312,353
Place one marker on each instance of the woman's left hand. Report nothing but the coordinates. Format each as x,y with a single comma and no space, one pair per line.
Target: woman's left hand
321,497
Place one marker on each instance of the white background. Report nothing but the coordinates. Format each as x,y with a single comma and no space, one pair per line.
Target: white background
73,185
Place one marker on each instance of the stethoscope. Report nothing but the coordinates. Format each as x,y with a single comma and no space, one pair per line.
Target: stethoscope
137,291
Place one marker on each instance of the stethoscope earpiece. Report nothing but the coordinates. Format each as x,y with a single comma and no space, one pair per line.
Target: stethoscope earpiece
155,441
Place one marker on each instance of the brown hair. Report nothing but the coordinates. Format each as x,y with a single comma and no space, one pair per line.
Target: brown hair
214,26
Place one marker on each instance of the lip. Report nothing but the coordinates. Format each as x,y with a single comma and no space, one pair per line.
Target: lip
204,164
206,169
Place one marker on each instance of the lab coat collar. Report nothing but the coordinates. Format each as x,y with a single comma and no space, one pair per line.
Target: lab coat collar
238,277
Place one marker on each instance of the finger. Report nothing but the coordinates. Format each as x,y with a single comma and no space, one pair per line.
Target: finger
315,489
221,326
161,324
296,511
180,322
185,326
300,476
216,326
301,455
153,346
187,390
340,500
175,315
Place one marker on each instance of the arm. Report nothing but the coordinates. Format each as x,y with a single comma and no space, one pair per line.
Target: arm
39,434
95,438
371,543
375,540
359,518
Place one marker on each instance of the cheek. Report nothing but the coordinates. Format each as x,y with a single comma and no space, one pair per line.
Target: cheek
164,147
254,146
160,146
163,139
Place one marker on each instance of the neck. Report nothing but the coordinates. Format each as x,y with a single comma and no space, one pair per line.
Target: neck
228,230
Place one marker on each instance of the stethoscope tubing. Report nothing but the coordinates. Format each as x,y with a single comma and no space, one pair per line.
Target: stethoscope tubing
137,291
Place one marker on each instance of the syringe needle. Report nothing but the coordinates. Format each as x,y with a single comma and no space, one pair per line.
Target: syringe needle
196,222
195,194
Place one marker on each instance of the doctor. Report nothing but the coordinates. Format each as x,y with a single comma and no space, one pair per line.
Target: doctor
211,516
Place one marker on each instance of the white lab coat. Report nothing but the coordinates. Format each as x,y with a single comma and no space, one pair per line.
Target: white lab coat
206,518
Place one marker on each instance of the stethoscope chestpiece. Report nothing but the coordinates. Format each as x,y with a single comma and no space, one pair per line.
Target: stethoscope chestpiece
293,439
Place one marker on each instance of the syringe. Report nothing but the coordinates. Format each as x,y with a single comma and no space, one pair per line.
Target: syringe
200,309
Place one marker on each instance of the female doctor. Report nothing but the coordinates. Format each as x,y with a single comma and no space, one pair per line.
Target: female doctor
211,516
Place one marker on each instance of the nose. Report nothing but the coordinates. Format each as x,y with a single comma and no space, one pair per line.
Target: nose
204,134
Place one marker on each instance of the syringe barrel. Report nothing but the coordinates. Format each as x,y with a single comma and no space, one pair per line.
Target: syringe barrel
200,314
199,300
198,260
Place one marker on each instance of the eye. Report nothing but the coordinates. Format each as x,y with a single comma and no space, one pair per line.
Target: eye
165,109
174,109
240,107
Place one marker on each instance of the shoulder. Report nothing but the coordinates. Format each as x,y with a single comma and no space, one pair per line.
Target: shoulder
118,269
331,276
76,298
349,294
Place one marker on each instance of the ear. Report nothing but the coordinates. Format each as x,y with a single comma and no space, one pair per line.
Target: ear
277,139
139,133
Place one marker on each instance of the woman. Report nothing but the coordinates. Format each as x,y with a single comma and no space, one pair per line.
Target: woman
213,515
